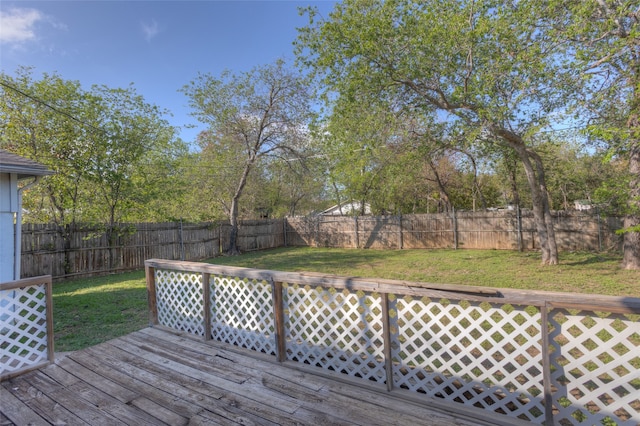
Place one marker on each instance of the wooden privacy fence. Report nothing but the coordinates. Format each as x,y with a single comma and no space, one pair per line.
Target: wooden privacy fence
529,356
26,325
85,251
506,230
93,250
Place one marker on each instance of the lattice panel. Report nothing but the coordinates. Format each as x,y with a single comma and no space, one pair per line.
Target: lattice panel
243,313
179,298
595,368
335,330
484,355
23,327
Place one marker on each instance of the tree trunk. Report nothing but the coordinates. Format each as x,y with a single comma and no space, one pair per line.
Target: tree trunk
66,232
112,236
233,248
540,200
444,195
476,185
548,219
631,245
631,242
511,168
539,195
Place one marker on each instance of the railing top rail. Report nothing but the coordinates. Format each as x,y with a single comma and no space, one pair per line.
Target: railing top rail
618,304
25,282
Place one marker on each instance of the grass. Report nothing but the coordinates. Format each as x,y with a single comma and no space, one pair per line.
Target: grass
90,311
93,310
591,273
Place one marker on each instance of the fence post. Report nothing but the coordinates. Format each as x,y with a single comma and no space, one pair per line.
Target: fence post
455,228
220,242
599,229
355,221
519,228
181,239
284,230
400,236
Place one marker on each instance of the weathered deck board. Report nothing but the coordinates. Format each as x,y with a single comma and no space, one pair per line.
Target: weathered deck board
153,377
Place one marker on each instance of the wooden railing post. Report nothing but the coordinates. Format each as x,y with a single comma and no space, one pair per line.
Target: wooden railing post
150,273
49,319
278,318
546,363
386,336
206,305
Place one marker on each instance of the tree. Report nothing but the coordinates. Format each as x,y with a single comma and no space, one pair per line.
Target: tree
574,174
605,37
263,112
357,145
108,147
105,145
132,143
124,155
33,126
220,169
480,64
294,187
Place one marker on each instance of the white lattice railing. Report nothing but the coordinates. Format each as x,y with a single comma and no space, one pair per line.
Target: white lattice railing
26,325
501,351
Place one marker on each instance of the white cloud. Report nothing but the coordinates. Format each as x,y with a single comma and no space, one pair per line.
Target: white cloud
17,25
150,30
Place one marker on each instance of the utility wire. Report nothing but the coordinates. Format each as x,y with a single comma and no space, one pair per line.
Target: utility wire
51,107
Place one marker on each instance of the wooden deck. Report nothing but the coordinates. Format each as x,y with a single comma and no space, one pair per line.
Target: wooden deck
154,377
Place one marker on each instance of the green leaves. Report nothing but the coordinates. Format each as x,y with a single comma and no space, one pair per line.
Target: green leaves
254,118
477,60
103,144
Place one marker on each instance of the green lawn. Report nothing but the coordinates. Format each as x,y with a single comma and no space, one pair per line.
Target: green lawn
594,273
90,311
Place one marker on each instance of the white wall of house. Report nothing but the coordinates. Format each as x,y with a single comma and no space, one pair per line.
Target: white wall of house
8,208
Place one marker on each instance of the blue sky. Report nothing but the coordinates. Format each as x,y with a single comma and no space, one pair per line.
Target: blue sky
159,46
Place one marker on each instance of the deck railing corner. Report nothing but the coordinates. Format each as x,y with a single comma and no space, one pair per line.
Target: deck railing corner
26,325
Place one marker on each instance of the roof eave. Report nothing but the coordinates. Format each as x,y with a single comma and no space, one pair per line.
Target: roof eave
25,172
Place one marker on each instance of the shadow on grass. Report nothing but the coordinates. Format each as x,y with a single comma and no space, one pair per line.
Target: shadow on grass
296,259
90,311
591,259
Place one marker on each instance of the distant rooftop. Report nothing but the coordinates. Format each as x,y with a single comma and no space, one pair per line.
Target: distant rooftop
347,209
12,163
